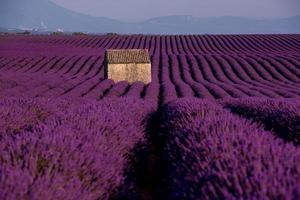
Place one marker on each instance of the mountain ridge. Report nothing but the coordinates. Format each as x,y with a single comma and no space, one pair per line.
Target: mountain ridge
48,16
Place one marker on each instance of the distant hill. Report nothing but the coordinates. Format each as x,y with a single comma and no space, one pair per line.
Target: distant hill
219,25
3,29
44,15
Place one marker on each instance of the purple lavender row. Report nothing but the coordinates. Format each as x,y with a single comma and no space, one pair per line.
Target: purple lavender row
193,44
62,149
282,116
135,90
212,154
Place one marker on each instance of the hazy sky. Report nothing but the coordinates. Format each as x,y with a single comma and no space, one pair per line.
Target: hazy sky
141,9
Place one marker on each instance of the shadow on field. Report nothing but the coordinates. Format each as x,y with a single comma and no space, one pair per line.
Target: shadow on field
145,177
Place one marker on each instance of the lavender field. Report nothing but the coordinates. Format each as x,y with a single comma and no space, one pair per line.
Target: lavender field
182,66
220,119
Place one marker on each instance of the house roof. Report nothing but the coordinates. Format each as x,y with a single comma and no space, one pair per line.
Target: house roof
116,56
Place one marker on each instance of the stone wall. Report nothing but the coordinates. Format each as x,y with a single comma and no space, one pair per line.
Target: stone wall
130,72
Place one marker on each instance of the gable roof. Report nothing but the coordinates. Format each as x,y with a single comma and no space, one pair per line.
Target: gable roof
115,56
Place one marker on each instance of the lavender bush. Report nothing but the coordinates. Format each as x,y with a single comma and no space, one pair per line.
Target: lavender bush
213,154
73,150
282,116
